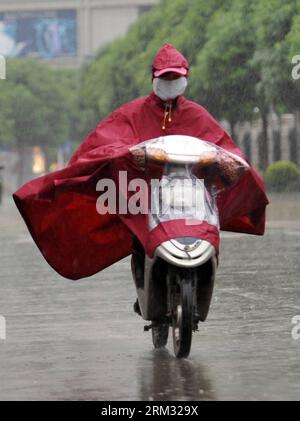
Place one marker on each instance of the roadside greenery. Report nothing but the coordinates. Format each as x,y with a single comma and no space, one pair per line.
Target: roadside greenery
283,176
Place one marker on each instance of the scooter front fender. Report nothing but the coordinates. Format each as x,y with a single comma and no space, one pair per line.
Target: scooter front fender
185,259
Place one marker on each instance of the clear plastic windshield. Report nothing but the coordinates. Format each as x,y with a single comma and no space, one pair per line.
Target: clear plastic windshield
192,173
179,194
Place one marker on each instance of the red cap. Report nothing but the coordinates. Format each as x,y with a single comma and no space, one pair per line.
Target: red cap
169,59
180,70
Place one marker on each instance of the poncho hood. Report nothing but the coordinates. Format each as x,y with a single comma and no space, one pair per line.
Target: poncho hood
169,59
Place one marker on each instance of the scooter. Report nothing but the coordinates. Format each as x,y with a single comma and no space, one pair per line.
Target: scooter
174,286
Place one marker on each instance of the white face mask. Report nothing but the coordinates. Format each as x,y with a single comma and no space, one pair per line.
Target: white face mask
169,89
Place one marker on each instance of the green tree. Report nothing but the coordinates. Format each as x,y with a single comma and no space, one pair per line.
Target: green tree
34,107
275,89
122,71
222,78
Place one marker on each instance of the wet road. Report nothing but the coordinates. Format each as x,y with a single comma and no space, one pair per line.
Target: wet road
81,340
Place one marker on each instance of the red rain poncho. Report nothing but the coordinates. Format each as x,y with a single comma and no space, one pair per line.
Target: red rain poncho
60,208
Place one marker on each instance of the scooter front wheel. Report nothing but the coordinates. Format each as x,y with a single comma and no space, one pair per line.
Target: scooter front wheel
182,319
160,333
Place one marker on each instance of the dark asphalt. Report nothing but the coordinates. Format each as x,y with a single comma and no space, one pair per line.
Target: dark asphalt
81,340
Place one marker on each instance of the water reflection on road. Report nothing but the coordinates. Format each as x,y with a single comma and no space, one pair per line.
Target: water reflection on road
163,377
82,341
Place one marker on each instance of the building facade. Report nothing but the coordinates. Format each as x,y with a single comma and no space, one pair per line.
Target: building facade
64,32
283,141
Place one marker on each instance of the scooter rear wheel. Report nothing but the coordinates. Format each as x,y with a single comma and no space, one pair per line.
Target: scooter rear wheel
160,333
182,319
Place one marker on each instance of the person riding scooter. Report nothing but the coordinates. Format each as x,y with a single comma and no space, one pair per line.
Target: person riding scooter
170,72
182,139
60,208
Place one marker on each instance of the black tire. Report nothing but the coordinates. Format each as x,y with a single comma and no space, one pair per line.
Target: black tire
182,319
160,333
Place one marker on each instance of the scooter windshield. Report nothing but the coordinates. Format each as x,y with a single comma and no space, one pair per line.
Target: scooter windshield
192,173
179,194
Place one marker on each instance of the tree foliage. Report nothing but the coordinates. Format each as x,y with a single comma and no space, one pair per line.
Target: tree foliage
38,105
